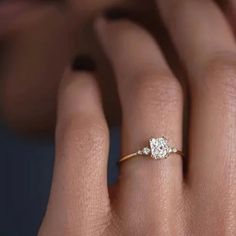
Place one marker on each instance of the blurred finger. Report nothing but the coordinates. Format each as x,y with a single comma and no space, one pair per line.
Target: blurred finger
15,16
36,50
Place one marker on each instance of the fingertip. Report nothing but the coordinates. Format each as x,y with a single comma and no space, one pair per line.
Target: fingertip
79,94
82,68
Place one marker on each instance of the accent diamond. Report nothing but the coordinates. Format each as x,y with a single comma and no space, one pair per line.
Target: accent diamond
159,148
146,151
174,150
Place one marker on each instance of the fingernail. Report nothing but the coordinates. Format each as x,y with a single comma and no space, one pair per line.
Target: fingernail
83,63
115,14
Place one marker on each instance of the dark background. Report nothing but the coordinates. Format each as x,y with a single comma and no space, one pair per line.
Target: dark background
26,167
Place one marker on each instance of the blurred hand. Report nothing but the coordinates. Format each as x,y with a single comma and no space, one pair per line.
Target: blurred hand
152,197
35,50
39,40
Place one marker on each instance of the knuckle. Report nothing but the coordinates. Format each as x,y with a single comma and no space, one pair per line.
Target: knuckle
155,88
220,77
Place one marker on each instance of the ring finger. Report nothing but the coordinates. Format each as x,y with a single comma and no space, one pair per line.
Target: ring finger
152,105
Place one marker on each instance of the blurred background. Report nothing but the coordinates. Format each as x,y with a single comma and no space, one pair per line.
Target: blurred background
25,178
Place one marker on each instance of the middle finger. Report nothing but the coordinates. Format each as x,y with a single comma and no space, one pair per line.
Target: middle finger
206,44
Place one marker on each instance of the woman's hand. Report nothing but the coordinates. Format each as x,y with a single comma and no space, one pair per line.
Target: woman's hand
152,197
36,49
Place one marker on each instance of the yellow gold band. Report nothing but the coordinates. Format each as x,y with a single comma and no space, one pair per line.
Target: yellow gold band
130,156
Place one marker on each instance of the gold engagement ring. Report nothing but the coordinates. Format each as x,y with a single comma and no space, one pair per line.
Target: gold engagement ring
157,149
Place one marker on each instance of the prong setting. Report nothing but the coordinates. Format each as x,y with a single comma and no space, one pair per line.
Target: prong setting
159,148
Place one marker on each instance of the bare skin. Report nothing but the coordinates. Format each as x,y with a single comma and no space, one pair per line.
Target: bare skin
151,197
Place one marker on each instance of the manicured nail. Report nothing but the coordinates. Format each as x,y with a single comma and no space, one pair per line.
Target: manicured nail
115,14
83,63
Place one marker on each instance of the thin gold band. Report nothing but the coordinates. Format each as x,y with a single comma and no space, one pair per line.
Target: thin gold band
128,157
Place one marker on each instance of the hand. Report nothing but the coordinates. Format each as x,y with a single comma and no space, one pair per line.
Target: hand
39,38
152,197
35,53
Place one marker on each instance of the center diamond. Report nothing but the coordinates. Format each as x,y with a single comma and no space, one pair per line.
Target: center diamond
159,148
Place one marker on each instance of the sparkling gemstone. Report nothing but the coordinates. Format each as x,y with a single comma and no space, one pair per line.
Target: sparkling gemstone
174,150
159,148
146,151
